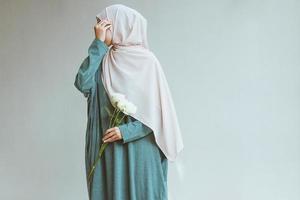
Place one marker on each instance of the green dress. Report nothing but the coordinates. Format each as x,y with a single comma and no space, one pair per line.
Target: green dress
133,168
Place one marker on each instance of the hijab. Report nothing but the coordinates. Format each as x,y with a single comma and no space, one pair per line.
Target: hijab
132,69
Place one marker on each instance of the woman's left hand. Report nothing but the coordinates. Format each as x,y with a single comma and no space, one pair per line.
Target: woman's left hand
112,134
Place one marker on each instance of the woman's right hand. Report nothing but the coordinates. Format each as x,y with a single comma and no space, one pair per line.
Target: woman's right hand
100,29
112,134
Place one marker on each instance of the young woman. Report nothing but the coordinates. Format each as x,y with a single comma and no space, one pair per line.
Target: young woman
134,165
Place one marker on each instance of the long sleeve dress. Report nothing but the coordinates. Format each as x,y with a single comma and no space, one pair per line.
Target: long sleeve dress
133,168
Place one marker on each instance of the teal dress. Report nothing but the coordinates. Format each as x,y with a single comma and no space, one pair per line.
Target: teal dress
133,168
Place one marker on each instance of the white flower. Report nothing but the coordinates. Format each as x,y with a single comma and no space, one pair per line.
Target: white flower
122,104
119,101
130,108
116,98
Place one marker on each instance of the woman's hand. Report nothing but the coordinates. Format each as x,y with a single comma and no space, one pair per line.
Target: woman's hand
112,134
100,29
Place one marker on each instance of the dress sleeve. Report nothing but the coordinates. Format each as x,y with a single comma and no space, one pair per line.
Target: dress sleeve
85,77
133,130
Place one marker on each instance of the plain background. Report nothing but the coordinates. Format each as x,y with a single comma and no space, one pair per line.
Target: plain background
233,67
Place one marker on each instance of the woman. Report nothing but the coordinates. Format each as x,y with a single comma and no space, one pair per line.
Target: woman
134,165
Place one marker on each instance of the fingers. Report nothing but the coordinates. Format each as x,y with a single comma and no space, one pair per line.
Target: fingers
103,26
98,20
107,26
104,23
111,129
108,135
111,134
112,138
99,24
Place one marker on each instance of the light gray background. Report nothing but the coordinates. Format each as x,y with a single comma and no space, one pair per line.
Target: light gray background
233,68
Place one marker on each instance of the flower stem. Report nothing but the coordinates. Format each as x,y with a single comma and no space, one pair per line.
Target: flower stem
103,145
115,118
112,116
112,122
99,155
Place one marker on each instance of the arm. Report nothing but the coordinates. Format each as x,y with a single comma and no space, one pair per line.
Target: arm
133,130
85,77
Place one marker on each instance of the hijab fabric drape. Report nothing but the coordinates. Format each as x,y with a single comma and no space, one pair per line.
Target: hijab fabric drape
132,69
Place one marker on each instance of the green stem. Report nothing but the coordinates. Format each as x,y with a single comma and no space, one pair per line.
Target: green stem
121,119
103,146
99,156
112,116
116,117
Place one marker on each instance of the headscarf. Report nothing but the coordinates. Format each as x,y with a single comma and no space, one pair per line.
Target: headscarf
130,68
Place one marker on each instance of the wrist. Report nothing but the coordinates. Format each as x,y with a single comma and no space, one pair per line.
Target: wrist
99,38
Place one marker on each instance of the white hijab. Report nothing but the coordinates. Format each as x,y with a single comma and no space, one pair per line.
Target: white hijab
132,69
